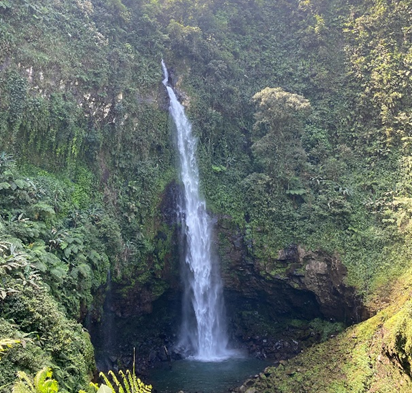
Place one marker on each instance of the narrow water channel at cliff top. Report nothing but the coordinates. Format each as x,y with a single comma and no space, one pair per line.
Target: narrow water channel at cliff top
191,376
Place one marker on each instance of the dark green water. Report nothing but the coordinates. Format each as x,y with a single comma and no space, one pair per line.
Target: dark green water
193,376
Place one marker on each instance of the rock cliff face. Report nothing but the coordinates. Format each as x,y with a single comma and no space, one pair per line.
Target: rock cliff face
298,283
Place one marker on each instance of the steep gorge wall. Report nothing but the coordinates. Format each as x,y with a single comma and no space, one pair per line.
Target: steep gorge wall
299,283
84,114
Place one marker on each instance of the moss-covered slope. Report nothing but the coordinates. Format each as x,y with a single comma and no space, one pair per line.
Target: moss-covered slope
373,356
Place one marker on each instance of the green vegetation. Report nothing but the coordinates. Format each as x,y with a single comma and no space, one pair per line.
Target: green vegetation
373,356
130,383
44,383
302,110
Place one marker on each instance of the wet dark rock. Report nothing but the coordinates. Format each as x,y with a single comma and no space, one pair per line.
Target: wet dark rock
324,276
247,386
127,361
249,382
162,356
152,356
290,254
176,355
300,283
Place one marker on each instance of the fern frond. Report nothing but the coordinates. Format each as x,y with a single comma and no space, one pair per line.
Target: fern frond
130,380
131,383
41,377
94,385
144,388
125,382
25,380
106,380
20,387
116,381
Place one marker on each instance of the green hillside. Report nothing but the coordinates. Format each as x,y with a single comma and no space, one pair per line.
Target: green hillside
303,112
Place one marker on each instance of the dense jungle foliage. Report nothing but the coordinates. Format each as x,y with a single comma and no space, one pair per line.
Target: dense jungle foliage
303,113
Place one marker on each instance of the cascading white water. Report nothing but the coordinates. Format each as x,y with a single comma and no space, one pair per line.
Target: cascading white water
205,334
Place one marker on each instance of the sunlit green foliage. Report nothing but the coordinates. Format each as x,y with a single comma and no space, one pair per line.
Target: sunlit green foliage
42,382
50,339
128,383
7,343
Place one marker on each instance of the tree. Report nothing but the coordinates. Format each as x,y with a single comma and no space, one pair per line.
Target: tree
277,131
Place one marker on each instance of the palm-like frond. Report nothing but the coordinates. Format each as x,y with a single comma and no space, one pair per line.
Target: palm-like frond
129,383
24,385
116,381
106,380
125,381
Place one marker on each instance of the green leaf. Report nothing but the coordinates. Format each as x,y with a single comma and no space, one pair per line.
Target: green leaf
43,208
5,4
8,174
67,252
4,186
20,183
58,273
218,168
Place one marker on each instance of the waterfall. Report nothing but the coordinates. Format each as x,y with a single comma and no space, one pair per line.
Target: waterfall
203,330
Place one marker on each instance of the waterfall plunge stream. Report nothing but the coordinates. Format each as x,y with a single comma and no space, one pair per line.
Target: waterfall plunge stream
203,331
